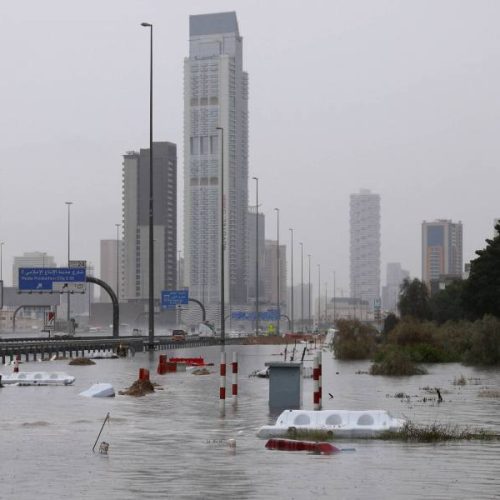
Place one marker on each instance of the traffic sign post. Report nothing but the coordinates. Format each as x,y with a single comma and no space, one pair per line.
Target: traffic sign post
172,298
52,279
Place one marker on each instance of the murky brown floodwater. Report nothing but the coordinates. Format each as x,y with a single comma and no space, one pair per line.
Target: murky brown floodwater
172,444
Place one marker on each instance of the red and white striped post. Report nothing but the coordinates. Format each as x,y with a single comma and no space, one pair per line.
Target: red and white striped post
234,388
316,394
222,383
320,389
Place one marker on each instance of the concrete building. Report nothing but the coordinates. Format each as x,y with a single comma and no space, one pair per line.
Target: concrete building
135,255
215,95
395,275
270,273
442,253
30,259
365,246
252,250
111,254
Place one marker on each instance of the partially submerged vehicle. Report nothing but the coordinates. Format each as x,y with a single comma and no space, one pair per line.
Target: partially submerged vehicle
341,423
101,390
38,378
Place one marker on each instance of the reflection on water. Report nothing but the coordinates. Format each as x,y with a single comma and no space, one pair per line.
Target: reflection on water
172,444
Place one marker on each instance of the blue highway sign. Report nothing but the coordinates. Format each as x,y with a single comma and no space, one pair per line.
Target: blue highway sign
42,278
172,298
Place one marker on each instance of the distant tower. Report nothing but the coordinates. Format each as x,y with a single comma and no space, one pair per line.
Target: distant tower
390,292
136,221
365,246
109,267
441,249
215,95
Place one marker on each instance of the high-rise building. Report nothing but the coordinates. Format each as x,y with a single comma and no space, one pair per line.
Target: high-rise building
252,249
395,275
215,139
365,246
135,256
30,259
441,250
270,274
110,265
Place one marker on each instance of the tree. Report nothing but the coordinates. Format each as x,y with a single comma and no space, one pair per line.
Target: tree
390,321
414,300
482,290
447,304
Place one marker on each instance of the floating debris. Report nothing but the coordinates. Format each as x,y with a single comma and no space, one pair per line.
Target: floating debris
460,380
436,432
201,371
489,393
138,388
81,362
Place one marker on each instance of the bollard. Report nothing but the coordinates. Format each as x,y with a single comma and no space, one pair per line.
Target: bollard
235,378
222,383
143,374
316,397
320,389
162,365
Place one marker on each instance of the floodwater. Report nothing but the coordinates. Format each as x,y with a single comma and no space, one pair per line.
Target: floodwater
172,444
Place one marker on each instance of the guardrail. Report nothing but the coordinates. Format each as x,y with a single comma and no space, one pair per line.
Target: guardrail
36,347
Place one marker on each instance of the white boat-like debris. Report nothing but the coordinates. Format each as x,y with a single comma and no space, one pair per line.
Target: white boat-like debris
102,390
38,378
342,423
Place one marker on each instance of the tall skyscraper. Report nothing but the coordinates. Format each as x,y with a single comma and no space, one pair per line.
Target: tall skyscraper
135,263
441,249
215,95
365,246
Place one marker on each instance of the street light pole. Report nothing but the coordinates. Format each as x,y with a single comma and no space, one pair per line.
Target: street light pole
68,204
309,293
291,276
256,179
334,298
2,243
319,294
302,285
118,262
222,298
278,269
151,325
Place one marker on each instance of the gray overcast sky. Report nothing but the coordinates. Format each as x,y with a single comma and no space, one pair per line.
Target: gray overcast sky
400,97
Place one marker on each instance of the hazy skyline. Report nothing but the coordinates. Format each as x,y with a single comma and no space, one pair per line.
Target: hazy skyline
397,97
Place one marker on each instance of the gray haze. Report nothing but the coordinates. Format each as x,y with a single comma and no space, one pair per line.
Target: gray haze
400,97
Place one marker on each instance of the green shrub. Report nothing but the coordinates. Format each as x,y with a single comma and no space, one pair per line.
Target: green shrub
485,342
409,331
354,340
396,362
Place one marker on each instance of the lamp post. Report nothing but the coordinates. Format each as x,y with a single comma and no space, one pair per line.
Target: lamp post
278,269
118,262
309,293
151,324
68,204
256,179
2,243
334,297
291,276
319,294
302,285
222,298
